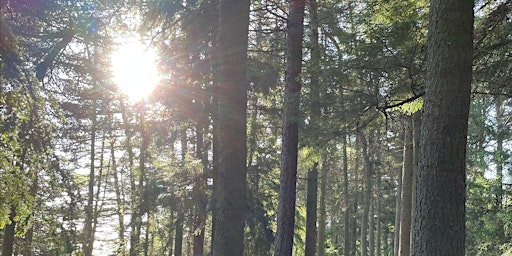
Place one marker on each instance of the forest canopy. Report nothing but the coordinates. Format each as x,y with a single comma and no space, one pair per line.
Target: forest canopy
237,127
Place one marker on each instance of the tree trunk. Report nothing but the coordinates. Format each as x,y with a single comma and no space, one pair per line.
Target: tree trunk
367,194
311,211
231,183
398,207
288,178
355,216
120,210
406,197
9,232
499,154
323,214
439,227
139,206
88,234
371,229
200,197
378,244
178,239
346,205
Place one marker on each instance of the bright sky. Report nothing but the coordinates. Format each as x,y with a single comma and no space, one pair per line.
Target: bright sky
135,71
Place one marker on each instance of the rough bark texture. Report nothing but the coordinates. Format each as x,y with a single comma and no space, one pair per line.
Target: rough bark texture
311,210
287,191
439,227
231,183
406,198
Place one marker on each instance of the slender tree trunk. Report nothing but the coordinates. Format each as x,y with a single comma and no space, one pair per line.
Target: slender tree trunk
416,124
231,183
172,228
323,214
499,155
355,216
88,234
9,232
378,213
139,205
406,197
200,201
439,227
288,179
120,210
398,207
371,228
367,194
178,240
311,210
133,190
346,205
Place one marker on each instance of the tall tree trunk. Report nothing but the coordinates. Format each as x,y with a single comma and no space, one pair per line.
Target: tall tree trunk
311,210
367,194
439,227
371,229
416,124
312,189
406,197
288,178
178,240
378,244
9,232
231,183
133,189
398,207
346,205
88,234
172,225
323,214
355,216
499,155
139,205
200,200
120,210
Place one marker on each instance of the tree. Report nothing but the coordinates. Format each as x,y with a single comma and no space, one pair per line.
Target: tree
288,179
439,225
230,181
406,191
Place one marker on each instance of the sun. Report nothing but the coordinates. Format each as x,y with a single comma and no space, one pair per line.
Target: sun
135,71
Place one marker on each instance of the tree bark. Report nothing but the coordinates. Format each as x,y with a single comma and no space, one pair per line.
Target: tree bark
439,227
230,177
288,178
